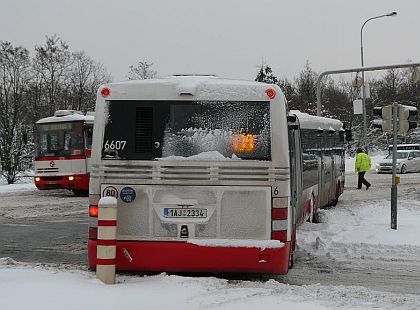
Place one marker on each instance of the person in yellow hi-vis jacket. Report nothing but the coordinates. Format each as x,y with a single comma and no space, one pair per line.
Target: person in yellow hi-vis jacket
362,165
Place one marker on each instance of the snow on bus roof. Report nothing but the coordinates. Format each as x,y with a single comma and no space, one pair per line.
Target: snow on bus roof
308,121
191,88
67,118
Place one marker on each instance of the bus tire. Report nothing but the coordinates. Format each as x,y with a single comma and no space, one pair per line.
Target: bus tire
403,169
291,260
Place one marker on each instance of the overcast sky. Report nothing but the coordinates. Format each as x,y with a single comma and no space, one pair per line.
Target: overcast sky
229,38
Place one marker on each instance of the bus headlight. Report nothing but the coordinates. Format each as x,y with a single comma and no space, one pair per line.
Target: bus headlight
37,179
71,178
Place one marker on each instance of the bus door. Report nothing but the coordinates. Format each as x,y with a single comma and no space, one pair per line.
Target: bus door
296,187
333,177
88,133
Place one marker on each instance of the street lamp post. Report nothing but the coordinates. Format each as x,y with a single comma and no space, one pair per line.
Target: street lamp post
364,138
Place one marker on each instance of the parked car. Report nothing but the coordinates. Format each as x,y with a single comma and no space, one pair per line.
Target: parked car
407,161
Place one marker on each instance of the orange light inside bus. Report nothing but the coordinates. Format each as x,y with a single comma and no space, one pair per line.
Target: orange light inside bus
243,143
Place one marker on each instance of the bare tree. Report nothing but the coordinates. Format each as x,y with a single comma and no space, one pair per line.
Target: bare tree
52,60
143,70
85,76
14,79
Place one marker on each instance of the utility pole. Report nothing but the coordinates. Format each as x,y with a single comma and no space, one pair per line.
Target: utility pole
394,167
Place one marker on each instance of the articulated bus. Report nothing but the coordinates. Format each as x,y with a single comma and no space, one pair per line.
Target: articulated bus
63,151
210,174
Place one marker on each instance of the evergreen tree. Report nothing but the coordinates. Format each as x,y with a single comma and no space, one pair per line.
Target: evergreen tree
265,75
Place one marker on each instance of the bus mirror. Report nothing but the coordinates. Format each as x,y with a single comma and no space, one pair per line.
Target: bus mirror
291,118
293,127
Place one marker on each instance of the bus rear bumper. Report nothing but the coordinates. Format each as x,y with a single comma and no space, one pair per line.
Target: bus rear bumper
185,257
79,182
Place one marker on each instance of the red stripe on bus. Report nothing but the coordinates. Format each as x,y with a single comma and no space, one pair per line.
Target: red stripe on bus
93,233
279,214
46,158
279,235
107,223
104,261
106,242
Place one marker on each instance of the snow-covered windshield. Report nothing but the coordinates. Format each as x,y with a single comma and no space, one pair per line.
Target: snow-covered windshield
400,155
60,139
161,129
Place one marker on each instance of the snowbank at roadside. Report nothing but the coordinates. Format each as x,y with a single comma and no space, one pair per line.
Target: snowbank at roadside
17,187
53,288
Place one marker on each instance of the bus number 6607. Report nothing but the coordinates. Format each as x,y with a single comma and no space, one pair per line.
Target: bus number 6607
115,145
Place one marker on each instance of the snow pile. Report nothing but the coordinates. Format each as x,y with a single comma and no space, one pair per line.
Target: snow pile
52,289
359,228
17,187
210,156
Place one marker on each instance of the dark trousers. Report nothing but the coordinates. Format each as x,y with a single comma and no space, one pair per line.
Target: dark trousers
362,179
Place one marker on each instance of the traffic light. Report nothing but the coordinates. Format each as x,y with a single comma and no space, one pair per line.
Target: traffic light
407,118
385,113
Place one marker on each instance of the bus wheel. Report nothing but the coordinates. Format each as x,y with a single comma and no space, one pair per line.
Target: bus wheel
291,260
403,169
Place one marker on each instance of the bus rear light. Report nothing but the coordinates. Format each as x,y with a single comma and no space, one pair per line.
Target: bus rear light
279,203
279,235
94,200
105,92
278,225
271,93
279,214
93,232
93,211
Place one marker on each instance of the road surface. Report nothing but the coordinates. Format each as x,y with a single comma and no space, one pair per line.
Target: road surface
51,227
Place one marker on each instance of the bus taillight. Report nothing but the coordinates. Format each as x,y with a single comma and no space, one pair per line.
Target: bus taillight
279,219
105,92
93,211
271,93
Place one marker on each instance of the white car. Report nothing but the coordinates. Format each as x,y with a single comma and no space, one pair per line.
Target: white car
407,161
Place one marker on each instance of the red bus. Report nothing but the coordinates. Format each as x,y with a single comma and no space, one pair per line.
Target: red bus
210,174
63,151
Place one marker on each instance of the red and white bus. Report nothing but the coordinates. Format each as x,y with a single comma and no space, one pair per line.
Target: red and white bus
63,151
210,174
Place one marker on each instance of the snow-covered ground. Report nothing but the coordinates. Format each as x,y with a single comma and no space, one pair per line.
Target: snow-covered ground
357,229
29,287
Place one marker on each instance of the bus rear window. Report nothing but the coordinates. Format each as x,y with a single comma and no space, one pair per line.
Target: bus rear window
177,130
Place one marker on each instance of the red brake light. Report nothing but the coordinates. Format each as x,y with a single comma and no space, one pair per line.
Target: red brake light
105,92
93,211
271,93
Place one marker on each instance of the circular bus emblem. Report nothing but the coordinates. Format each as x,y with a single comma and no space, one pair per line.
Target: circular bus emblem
52,164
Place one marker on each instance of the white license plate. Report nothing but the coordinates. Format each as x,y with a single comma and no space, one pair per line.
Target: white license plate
184,213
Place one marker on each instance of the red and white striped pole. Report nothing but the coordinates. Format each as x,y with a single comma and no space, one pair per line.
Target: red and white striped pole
106,249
